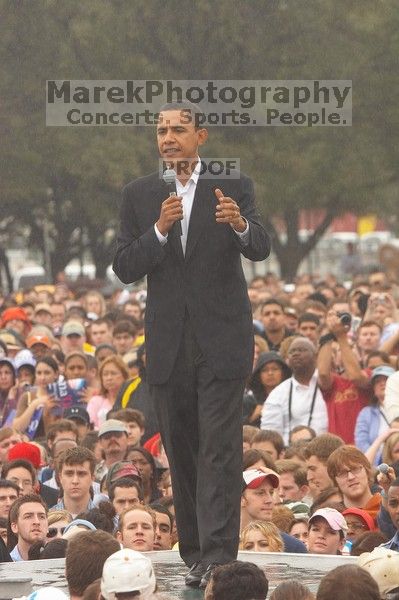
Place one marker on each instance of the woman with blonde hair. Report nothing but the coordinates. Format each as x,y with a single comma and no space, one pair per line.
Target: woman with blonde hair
261,536
112,374
57,522
390,451
93,302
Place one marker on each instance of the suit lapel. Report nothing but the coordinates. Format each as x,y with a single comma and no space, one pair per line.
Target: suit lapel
201,213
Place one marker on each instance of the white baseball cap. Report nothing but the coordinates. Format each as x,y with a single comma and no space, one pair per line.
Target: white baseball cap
383,566
127,571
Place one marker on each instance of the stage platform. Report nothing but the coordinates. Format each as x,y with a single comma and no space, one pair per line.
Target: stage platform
170,570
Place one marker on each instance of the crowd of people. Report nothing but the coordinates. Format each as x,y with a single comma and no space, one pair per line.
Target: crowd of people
84,473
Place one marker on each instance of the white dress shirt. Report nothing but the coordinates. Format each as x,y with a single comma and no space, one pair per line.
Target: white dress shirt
187,192
275,412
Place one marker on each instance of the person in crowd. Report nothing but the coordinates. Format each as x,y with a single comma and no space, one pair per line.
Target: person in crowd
327,532
261,536
293,485
358,521
345,393
291,590
136,529
42,314
132,308
113,373
91,549
75,472
347,582
112,437
28,523
9,492
58,313
269,441
101,332
317,453
127,574
237,580
301,433
309,327
372,420
8,438
164,527
102,352
76,365
331,497
39,344
350,471
81,418
367,541
73,337
257,503
16,318
368,339
23,468
297,400
58,520
135,422
299,529
145,463
125,493
273,320
383,565
257,459
248,434
8,391
94,302
124,336
24,365
269,372
36,408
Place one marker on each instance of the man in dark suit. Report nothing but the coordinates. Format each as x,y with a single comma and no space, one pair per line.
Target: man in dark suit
198,328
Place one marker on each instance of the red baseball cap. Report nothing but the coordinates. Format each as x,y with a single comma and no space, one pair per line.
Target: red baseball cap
363,514
14,313
26,451
253,478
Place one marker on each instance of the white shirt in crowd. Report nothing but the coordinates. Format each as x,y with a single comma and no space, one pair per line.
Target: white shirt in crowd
275,411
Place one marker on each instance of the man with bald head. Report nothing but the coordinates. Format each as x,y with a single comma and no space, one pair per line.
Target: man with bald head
297,400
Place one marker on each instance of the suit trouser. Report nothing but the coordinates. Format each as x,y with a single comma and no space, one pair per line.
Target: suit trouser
200,420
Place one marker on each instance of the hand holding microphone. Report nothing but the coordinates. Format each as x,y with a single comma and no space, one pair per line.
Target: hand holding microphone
385,476
172,208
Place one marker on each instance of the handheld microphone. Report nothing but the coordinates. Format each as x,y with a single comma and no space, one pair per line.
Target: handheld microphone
169,177
383,468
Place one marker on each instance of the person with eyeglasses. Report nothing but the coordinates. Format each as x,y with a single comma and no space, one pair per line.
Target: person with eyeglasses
358,521
57,523
350,471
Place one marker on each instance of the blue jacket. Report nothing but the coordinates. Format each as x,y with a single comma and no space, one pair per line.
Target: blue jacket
367,428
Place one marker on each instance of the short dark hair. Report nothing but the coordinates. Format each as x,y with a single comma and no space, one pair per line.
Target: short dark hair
309,318
5,483
322,446
86,554
76,456
272,301
239,580
124,326
291,590
253,455
352,582
18,463
130,415
158,508
272,436
125,482
16,505
186,105
61,426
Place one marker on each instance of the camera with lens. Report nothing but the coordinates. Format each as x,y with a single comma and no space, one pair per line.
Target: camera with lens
345,318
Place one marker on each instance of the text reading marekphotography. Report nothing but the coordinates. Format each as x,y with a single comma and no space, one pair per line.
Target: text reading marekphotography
304,103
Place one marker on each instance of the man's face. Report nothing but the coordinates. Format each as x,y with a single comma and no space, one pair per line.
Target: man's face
31,525
138,531
353,481
7,497
288,489
124,498
369,338
163,532
23,478
177,138
43,318
322,539
133,310
100,334
309,330
273,318
76,368
393,505
72,342
135,433
123,342
318,479
258,503
57,314
76,480
114,443
6,444
301,355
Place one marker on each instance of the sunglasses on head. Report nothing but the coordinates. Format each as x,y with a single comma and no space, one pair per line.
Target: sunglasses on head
52,531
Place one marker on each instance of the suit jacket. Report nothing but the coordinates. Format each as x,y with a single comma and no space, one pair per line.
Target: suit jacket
208,281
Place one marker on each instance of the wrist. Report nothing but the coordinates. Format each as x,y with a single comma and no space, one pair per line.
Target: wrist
240,226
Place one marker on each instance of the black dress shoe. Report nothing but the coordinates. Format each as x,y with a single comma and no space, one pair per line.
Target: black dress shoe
207,575
195,575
